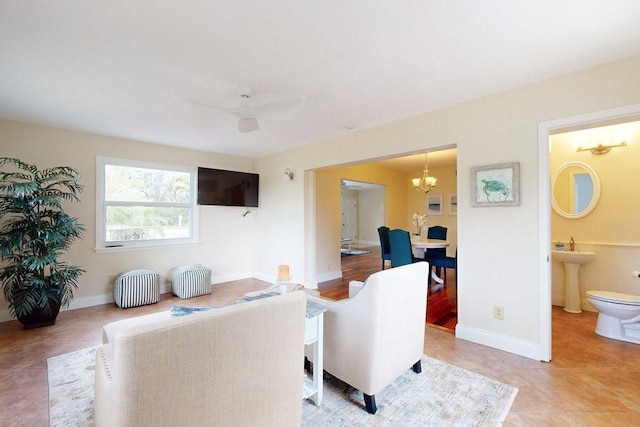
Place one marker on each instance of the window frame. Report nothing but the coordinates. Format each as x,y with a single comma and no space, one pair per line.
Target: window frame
101,207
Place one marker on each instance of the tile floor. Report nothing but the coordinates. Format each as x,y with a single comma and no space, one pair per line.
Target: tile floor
592,381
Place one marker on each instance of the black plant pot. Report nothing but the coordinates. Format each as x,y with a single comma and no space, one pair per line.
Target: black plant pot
39,318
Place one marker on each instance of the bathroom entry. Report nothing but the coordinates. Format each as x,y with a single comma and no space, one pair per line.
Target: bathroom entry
603,228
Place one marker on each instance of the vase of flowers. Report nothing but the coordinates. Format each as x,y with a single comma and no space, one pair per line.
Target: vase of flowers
419,221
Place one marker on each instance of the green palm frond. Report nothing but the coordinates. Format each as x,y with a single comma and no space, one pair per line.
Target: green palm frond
34,233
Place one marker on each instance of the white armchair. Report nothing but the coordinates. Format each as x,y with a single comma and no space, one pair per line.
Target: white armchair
374,336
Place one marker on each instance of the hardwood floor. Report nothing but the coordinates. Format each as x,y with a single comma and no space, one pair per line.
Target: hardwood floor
592,381
442,310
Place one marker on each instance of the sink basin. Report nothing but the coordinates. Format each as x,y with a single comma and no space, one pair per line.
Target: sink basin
573,257
572,260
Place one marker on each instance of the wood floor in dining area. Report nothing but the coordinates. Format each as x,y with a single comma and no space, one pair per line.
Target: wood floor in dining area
442,305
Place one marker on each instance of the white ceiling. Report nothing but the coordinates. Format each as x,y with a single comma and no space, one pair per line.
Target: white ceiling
115,67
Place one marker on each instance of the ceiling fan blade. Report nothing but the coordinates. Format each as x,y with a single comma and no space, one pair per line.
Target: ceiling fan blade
197,102
282,107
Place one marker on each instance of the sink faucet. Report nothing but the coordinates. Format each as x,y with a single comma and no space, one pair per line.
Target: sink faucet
572,244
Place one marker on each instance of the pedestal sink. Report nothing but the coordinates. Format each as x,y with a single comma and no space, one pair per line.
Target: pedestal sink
572,261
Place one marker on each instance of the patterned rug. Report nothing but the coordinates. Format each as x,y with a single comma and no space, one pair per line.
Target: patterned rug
347,252
442,395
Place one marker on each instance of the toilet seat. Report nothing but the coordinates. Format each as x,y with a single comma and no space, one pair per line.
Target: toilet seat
615,297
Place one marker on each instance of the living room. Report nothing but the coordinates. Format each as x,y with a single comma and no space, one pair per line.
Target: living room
491,126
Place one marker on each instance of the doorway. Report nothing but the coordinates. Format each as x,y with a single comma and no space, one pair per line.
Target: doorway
348,219
545,130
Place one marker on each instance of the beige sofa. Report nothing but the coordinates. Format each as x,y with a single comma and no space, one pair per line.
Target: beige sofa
235,366
376,334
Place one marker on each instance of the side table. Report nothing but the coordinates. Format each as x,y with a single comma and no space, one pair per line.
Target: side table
313,336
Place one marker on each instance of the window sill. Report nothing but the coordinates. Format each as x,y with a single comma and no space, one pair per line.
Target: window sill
122,248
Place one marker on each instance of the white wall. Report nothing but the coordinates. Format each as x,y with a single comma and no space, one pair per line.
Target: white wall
499,254
226,236
499,248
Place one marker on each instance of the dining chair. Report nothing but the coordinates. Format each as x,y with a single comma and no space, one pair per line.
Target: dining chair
400,246
436,232
385,250
444,263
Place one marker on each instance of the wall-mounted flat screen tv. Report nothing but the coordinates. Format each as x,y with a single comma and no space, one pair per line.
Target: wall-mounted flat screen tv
227,188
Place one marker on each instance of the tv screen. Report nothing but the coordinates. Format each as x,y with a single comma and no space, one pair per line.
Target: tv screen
227,188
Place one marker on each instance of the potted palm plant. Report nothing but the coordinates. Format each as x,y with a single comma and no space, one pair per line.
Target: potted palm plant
35,232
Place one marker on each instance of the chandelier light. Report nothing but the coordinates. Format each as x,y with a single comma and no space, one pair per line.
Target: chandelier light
426,183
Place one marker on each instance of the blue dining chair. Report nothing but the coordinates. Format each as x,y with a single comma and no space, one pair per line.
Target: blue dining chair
400,245
444,263
436,232
385,250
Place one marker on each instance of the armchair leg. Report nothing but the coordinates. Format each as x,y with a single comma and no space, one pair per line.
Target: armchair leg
370,403
417,367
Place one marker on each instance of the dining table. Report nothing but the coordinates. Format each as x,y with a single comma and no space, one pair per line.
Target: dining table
421,244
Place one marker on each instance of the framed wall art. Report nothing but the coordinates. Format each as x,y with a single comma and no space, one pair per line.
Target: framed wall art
434,204
496,185
453,204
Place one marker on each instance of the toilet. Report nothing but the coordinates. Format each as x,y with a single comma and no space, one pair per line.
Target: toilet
619,315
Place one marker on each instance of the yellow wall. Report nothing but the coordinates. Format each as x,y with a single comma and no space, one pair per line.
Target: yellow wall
417,200
328,193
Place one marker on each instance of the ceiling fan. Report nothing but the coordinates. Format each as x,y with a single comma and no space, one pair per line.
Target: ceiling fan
249,113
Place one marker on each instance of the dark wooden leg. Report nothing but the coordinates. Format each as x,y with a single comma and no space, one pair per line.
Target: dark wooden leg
370,403
383,263
417,367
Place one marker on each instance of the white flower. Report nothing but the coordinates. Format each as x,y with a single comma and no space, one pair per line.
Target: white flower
419,220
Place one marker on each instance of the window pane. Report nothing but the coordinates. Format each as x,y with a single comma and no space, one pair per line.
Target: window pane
132,184
146,223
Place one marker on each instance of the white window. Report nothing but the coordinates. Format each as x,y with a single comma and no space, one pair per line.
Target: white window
143,204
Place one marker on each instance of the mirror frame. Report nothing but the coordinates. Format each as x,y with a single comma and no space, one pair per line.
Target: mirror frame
594,199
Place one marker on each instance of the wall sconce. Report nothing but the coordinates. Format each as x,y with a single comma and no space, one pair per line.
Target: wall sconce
426,183
288,175
602,149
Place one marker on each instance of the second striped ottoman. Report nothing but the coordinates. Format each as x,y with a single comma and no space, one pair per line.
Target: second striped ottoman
191,280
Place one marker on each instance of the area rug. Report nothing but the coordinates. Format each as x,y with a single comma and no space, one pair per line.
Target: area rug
345,252
442,395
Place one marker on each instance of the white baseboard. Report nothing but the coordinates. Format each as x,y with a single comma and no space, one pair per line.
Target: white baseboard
83,302
501,342
331,275
230,277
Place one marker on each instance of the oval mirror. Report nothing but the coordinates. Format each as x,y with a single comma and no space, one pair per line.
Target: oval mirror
575,189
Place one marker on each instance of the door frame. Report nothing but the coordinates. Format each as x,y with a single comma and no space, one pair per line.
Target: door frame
595,119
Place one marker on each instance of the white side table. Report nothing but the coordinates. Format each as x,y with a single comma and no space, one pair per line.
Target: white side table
313,336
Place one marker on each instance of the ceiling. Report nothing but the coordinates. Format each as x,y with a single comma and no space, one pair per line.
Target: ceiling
121,68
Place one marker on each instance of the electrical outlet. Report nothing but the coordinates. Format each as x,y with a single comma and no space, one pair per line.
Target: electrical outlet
498,312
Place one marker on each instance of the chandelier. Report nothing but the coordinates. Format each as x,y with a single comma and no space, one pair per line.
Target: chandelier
426,183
